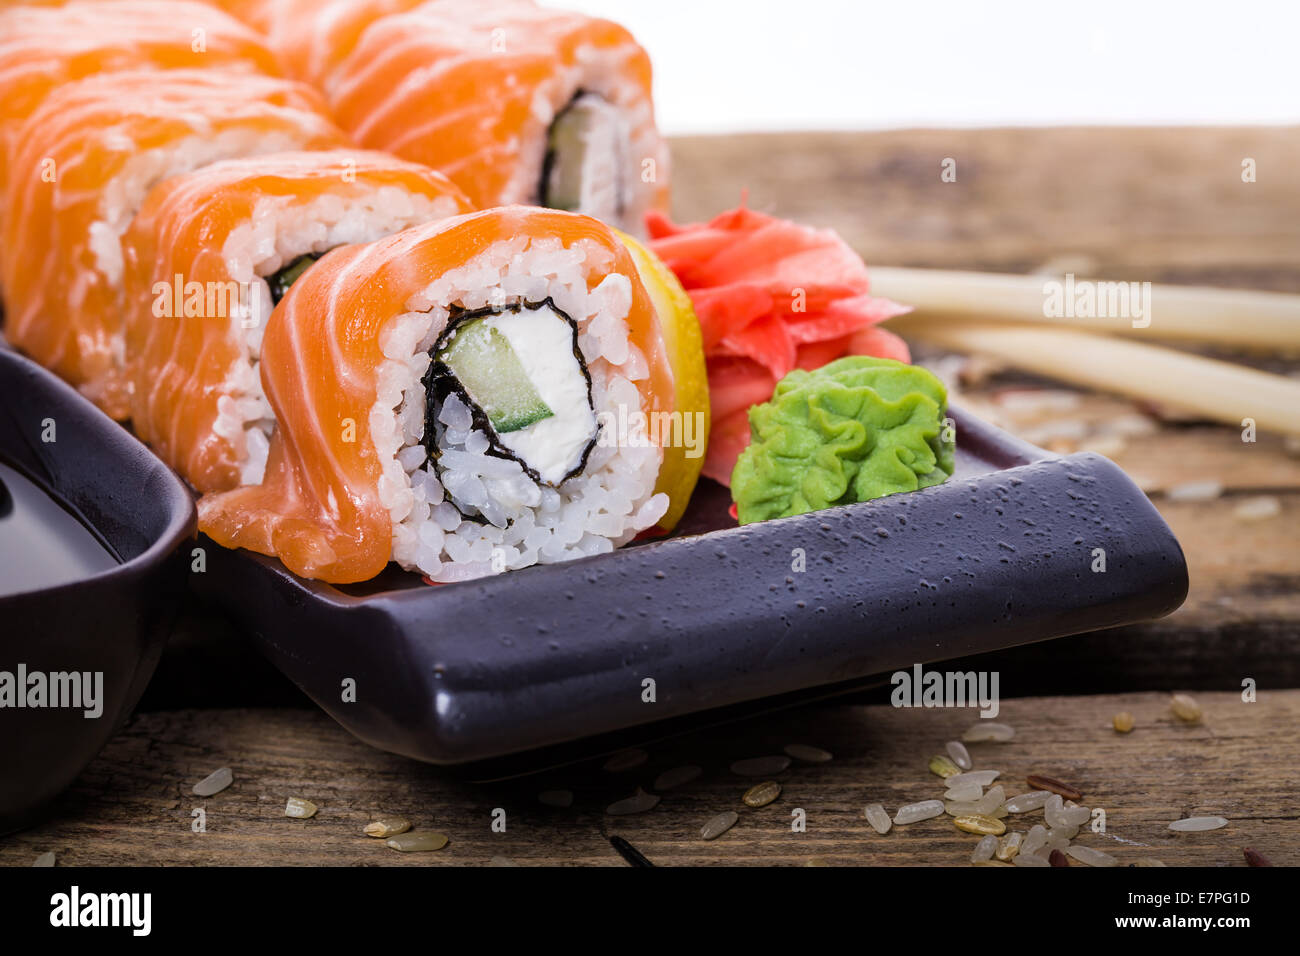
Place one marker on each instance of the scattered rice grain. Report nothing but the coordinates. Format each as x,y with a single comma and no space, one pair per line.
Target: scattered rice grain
1024,802
979,823
993,800
1034,839
299,809
1061,835
1198,824
1062,817
878,818
1185,708
214,782
1253,857
959,754
1029,859
1086,854
761,794
1258,509
47,859
1123,721
943,767
421,842
988,730
966,792
1009,846
983,777
984,849
385,827
916,812
719,825
808,754
639,802
1057,858
1204,490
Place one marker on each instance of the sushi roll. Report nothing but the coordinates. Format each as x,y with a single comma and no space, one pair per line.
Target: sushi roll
42,48
471,396
87,159
515,103
208,257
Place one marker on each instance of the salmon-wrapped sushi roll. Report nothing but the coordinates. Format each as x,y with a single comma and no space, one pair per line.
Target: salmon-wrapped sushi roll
312,38
515,103
209,256
87,159
499,389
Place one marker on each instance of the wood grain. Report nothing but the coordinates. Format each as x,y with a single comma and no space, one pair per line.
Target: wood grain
134,803
1163,205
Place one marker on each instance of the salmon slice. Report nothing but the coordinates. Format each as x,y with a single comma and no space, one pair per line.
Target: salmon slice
198,256
324,505
312,38
86,160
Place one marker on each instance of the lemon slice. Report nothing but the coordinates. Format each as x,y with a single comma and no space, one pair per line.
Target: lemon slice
684,346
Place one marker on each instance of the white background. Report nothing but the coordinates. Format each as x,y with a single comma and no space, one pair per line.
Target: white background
836,64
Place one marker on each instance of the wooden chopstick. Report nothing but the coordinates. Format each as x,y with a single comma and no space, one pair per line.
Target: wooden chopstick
1221,391
1231,317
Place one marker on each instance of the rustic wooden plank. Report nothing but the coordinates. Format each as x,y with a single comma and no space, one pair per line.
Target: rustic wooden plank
133,804
1163,204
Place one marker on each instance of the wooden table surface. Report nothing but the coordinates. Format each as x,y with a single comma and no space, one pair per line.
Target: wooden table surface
134,805
1164,205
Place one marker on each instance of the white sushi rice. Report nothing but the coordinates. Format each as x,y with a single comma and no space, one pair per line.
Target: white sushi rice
279,232
124,194
477,514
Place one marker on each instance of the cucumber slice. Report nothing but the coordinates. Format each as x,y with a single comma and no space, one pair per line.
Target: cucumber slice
487,368
586,159
279,282
567,147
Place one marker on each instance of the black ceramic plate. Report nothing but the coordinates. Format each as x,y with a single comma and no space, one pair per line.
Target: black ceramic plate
111,620
716,617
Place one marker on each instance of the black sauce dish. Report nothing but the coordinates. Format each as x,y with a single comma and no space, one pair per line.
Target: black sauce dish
90,577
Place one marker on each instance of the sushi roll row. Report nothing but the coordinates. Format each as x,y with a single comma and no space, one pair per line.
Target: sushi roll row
348,362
